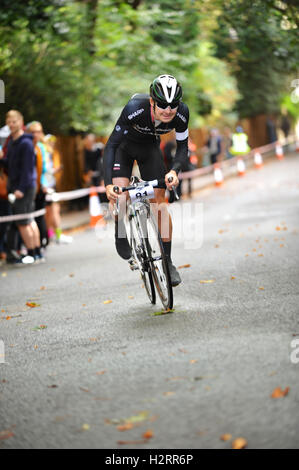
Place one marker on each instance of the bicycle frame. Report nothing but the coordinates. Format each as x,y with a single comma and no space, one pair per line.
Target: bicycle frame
150,261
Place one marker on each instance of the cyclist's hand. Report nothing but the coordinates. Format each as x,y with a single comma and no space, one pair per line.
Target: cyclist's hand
111,195
175,180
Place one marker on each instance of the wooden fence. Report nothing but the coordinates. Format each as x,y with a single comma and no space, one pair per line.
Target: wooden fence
69,151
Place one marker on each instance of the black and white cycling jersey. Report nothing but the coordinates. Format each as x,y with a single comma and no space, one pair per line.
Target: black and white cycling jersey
136,124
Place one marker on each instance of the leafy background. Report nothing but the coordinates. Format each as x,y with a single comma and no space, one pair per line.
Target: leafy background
74,64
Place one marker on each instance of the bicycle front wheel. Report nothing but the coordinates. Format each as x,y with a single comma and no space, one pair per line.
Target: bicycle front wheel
138,245
158,261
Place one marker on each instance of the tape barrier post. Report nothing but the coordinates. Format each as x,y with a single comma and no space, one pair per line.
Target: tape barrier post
241,166
95,210
258,160
218,175
279,152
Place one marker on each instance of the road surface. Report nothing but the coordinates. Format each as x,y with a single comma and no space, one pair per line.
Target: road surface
80,372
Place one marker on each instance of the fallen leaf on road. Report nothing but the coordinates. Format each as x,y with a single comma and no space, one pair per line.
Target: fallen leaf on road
32,304
142,416
277,228
42,288
184,266
261,288
131,442
279,393
226,437
107,302
41,327
193,361
233,277
125,427
208,281
7,434
168,394
85,427
4,274
148,434
163,312
239,443
101,372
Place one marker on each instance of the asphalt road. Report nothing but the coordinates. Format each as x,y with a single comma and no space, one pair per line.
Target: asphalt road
81,373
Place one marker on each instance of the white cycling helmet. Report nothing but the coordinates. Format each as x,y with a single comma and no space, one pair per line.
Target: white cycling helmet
166,90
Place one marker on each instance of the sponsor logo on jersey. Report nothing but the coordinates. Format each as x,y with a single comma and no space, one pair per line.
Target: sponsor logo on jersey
117,128
136,113
182,117
145,130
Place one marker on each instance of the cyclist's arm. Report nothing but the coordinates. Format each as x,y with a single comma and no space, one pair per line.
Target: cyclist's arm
181,140
115,139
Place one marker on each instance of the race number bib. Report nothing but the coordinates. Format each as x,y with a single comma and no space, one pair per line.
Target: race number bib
139,193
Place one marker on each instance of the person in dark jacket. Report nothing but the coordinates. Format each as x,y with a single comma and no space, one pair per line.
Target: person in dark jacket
21,166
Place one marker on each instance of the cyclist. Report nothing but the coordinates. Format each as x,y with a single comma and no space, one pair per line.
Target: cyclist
136,136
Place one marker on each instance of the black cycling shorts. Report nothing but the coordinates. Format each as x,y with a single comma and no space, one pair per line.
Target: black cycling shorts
148,156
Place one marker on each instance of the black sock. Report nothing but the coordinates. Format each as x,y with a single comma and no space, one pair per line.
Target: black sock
120,230
167,249
37,251
31,253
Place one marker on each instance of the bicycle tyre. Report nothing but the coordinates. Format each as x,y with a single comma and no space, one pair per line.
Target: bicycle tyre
140,254
159,264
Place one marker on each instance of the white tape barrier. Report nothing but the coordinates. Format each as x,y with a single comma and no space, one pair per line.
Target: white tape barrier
77,193
226,163
54,197
13,218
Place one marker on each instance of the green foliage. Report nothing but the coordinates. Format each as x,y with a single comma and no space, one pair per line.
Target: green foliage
261,45
73,64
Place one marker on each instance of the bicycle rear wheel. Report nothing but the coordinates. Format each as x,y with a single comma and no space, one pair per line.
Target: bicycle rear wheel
159,264
138,245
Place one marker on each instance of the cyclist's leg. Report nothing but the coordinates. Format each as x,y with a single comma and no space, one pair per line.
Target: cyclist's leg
121,173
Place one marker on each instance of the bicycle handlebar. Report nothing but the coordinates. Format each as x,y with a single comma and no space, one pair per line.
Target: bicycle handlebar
154,183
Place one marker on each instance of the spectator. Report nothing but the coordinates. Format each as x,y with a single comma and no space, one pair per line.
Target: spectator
227,142
36,130
239,142
285,124
169,150
20,163
53,218
93,164
271,129
4,210
213,145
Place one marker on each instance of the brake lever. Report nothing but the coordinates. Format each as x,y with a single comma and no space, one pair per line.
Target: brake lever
116,204
170,179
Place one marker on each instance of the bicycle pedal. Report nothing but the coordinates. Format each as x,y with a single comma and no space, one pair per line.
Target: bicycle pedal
132,264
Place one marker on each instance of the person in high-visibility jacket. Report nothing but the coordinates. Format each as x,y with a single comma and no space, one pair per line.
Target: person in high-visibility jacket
239,142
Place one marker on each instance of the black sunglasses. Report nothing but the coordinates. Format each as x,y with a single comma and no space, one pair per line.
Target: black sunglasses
163,105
